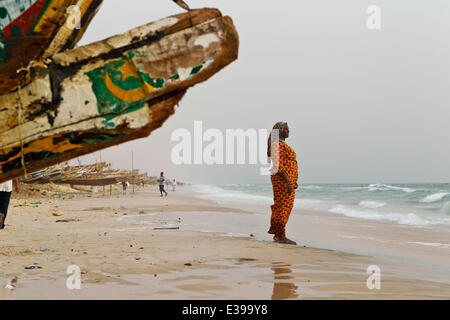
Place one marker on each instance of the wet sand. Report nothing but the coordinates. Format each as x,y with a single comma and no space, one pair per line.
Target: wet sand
121,256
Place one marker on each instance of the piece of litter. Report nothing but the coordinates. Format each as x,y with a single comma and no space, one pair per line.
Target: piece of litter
10,287
58,214
33,267
67,220
45,249
171,228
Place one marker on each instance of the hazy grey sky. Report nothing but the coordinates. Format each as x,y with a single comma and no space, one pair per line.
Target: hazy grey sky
363,106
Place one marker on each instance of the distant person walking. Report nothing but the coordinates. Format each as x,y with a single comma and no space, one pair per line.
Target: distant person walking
5,196
161,184
284,176
174,185
124,187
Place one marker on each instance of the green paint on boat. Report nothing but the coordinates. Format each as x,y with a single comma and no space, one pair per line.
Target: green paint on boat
109,105
3,12
3,52
38,18
196,69
16,31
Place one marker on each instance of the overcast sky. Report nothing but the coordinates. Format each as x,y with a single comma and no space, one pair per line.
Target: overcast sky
362,105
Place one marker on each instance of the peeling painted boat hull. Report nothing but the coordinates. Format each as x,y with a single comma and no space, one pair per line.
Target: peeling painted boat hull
112,91
32,30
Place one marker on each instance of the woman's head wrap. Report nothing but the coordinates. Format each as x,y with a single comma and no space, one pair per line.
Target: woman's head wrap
277,130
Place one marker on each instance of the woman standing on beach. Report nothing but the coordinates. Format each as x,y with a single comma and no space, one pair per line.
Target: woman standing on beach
284,175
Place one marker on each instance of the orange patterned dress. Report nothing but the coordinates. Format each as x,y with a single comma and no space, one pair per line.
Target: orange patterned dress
284,160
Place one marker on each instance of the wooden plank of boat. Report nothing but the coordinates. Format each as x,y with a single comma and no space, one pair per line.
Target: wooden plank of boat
35,176
90,182
111,91
32,30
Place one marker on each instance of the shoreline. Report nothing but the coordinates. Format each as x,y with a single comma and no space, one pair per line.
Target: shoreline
122,257
422,251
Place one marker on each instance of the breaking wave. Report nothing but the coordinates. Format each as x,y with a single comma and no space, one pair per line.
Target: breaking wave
386,187
435,197
401,218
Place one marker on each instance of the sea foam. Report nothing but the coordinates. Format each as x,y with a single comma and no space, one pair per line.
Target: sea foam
432,244
386,187
371,204
214,192
435,197
401,218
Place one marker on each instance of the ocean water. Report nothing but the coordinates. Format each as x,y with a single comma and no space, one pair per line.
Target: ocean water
418,205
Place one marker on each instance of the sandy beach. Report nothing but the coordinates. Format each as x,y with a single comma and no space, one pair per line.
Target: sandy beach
142,246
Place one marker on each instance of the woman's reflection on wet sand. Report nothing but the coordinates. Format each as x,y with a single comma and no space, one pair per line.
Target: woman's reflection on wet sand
283,290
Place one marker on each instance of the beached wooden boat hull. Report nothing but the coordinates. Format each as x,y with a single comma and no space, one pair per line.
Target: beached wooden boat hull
90,182
32,30
112,91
